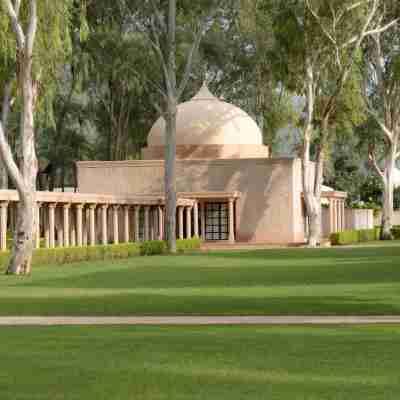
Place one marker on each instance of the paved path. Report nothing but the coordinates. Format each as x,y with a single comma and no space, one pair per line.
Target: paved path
201,320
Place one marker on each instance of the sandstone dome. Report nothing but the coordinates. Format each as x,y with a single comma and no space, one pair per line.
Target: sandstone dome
208,127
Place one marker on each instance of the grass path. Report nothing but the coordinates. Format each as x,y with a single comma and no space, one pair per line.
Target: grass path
345,281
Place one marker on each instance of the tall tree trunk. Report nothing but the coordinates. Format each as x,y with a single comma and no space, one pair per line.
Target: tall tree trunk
312,197
387,203
170,177
4,119
21,258
23,177
170,148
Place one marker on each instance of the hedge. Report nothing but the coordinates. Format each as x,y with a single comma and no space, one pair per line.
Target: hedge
65,255
396,232
355,236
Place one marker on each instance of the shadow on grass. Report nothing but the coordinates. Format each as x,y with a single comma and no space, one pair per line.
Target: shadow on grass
153,304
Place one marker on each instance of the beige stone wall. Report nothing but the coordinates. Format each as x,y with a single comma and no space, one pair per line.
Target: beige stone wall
269,209
208,151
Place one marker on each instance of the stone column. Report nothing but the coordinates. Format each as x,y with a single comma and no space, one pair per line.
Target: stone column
92,224
137,223
104,224
196,219
115,224
3,225
339,215
66,233
180,222
146,223
231,221
343,215
52,217
336,215
126,224
332,215
79,228
152,224
160,223
37,239
203,220
188,222
46,227
73,227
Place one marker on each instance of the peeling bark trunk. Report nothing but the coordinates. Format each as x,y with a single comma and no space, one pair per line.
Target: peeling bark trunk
21,258
4,119
387,203
170,178
170,148
312,198
23,177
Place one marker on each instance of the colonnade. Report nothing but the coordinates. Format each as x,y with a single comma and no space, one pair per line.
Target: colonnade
65,225
76,219
337,215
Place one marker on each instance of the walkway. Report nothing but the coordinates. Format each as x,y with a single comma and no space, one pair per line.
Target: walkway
201,320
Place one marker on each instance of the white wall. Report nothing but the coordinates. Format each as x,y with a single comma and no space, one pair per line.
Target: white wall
359,219
396,218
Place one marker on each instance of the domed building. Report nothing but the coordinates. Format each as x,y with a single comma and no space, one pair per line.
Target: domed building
208,128
234,190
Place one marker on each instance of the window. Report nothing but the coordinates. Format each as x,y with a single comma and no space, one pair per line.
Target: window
217,221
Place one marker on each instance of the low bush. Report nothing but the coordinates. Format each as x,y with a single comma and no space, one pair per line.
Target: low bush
153,247
396,232
355,236
65,255
185,245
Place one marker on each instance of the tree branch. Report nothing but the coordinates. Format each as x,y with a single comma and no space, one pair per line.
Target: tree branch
5,110
32,27
189,63
19,33
374,163
11,166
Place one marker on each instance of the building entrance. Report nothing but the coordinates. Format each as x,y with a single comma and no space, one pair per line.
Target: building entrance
217,221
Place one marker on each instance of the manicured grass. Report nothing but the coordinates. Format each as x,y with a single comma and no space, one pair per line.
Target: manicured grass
359,280
149,363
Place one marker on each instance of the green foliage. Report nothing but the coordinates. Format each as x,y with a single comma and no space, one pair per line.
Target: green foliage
66,255
396,232
153,247
355,236
187,245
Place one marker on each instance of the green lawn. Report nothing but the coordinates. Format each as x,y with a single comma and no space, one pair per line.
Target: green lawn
295,281
246,363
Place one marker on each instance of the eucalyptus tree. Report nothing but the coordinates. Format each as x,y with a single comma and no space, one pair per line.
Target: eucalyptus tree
321,40
198,18
31,32
381,88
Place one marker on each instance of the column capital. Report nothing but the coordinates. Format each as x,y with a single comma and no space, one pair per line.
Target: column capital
4,204
92,206
52,205
104,206
79,206
67,206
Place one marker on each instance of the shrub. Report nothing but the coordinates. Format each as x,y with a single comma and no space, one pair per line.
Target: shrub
396,232
185,245
355,236
65,255
153,247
